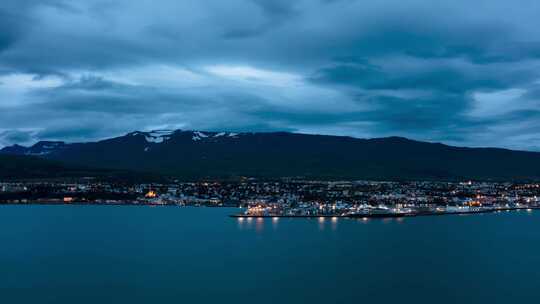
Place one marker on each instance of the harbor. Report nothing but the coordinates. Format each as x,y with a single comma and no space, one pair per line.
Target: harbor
383,212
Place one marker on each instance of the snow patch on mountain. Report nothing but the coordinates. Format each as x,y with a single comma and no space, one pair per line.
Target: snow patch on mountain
156,140
156,133
157,136
160,136
200,134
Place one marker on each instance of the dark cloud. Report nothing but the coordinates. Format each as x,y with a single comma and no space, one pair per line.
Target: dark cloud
11,29
17,136
275,13
459,72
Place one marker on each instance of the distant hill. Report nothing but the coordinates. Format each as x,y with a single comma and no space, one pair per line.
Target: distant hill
13,167
195,154
16,166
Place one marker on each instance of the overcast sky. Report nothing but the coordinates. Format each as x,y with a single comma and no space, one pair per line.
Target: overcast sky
460,72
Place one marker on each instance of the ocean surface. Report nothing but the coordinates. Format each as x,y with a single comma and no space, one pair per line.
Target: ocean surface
116,254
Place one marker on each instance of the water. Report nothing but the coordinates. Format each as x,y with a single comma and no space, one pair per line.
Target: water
107,254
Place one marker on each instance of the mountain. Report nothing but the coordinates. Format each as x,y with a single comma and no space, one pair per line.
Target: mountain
197,154
16,167
39,149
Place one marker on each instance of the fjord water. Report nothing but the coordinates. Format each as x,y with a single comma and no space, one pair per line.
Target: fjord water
106,254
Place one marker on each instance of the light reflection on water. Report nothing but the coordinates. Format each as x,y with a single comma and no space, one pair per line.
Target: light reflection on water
334,223
275,221
240,222
321,223
258,224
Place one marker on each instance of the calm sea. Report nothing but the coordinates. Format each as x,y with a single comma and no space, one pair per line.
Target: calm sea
110,254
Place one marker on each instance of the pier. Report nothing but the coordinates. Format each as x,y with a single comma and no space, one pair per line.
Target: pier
413,213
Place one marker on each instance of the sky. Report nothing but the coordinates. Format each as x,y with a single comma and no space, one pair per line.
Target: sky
463,73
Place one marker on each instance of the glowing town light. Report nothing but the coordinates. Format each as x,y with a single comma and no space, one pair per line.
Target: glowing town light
151,194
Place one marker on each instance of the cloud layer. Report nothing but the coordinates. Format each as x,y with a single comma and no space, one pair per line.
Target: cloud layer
459,72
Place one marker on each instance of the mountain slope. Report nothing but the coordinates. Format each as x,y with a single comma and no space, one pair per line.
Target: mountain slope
14,167
194,154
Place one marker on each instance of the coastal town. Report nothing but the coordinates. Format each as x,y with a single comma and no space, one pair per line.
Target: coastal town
290,197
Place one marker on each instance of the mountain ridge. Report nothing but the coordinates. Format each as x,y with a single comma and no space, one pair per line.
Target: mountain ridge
202,154
11,149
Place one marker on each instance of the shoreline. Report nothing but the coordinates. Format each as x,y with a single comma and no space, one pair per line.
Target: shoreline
402,215
127,204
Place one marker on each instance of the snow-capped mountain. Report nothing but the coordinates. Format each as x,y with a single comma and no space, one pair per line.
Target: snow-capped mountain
41,148
160,136
196,154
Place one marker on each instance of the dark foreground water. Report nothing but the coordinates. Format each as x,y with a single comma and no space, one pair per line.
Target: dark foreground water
105,254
